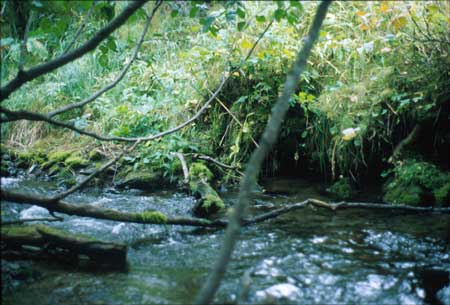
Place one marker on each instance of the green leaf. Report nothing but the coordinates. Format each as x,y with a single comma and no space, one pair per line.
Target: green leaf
292,19
296,3
207,22
241,25
240,13
260,18
193,12
174,13
279,14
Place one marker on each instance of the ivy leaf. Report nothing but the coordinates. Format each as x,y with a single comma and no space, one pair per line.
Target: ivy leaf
292,19
241,25
240,13
296,4
207,22
279,14
260,18
246,44
193,12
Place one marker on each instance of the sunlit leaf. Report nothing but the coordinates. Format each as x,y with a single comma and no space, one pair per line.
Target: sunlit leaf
246,44
360,13
260,18
384,7
399,22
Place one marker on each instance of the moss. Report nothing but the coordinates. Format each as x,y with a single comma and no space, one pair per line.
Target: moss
153,216
212,201
341,189
95,155
66,177
404,194
199,171
59,155
442,194
26,231
76,162
417,182
53,169
209,202
142,179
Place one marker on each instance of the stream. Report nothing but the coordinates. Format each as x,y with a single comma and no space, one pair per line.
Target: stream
310,256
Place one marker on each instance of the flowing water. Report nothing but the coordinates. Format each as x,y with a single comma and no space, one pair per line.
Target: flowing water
305,257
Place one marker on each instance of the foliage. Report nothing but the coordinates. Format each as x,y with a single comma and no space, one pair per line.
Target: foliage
416,181
378,69
341,189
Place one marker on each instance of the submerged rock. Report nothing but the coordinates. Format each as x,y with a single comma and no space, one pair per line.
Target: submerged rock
142,179
278,292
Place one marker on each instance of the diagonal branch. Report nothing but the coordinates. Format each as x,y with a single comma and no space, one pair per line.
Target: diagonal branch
28,75
206,294
118,78
80,29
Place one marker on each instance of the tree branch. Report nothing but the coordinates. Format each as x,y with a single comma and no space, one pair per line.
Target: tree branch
180,156
28,75
80,29
206,294
118,78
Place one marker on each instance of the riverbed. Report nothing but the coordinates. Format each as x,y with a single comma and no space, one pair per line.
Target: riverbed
309,256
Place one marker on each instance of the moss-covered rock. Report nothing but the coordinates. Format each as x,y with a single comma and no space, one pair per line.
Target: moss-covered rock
142,179
209,201
418,183
153,216
59,155
199,171
442,195
76,162
95,155
341,189
27,158
404,194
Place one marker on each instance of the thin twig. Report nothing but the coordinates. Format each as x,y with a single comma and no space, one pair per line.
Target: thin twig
39,70
23,45
80,29
117,79
217,162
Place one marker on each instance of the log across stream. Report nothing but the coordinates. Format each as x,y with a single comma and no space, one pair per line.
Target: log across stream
309,256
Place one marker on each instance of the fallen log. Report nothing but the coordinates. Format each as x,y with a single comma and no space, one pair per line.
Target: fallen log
154,217
42,242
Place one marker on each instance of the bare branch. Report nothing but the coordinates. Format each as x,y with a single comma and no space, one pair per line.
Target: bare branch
217,162
180,156
80,29
28,75
118,78
206,294
23,45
